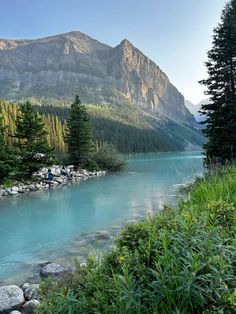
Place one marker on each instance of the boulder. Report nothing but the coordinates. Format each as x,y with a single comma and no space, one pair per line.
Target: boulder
21,190
25,286
38,186
30,291
32,187
59,180
13,192
30,306
11,298
54,270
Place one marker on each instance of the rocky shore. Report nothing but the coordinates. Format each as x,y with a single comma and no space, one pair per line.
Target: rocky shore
25,299
40,182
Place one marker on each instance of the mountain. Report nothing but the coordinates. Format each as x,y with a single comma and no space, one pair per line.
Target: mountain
194,108
74,63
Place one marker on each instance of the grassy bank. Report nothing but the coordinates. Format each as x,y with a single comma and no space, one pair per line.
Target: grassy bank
179,261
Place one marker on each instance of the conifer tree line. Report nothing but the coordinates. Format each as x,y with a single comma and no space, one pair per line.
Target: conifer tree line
107,128
26,137
29,149
221,87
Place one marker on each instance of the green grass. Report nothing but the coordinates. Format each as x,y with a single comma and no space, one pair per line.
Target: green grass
179,261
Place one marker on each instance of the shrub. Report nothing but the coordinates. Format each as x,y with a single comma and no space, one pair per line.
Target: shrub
107,158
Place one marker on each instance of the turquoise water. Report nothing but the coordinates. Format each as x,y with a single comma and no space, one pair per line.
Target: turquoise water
70,221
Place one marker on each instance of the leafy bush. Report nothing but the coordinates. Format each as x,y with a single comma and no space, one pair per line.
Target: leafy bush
107,158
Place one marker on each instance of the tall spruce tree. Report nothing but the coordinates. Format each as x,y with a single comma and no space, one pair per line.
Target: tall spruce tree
31,134
78,136
7,160
221,87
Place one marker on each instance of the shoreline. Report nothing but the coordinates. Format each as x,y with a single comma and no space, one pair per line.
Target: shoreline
41,183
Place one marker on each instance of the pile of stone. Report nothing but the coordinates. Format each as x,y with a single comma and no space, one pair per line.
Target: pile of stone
41,182
16,300
25,299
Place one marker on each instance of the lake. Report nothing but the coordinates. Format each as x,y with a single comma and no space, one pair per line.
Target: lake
74,220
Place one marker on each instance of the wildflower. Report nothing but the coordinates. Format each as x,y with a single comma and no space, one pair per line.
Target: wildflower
120,258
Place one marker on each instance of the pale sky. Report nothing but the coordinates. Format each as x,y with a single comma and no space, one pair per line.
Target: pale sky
175,34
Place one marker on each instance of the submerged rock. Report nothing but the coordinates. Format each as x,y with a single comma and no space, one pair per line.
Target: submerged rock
54,270
103,235
11,298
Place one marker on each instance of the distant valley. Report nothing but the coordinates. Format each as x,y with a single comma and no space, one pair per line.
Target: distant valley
194,108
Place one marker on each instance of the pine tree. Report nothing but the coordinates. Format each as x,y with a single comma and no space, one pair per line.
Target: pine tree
7,160
78,136
221,86
31,134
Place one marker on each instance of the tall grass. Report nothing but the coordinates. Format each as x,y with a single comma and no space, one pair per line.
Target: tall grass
179,261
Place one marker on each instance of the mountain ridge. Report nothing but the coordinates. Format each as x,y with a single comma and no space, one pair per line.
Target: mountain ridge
66,64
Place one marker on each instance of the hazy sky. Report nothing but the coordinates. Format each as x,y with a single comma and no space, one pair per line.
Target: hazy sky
174,33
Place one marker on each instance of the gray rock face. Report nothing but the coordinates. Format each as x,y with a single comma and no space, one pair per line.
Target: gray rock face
74,63
30,291
11,298
30,306
54,270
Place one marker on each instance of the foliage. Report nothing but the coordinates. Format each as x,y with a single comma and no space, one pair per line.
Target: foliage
79,136
221,86
32,144
107,158
7,160
178,261
124,127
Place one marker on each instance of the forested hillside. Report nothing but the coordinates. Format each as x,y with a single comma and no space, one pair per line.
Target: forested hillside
126,126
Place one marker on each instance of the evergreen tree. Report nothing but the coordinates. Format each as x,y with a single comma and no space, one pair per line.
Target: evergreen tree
78,136
221,86
34,149
7,160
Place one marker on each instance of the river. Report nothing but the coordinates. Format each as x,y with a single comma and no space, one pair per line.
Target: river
75,220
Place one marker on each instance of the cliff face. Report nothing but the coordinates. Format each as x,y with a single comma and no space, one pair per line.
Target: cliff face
66,64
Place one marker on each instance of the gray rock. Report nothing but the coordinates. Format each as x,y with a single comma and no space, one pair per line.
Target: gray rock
11,298
21,190
32,187
43,263
38,186
59,180
4,193
13,193
30,291
25,286
54,270
15,312
30,306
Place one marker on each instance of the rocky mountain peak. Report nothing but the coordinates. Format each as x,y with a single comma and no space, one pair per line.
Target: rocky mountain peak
74,63
126,44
